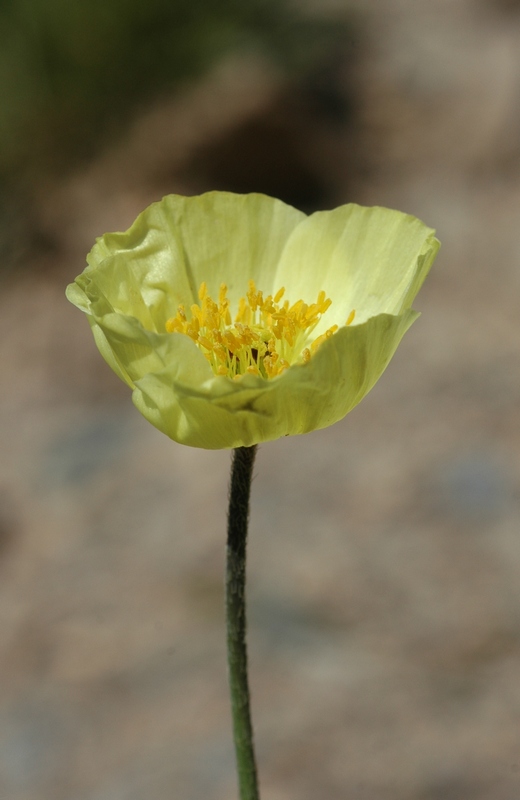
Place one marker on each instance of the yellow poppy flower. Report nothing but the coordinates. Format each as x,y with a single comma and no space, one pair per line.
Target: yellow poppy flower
236,319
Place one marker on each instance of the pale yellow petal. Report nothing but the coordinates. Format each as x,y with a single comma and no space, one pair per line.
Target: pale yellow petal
373,260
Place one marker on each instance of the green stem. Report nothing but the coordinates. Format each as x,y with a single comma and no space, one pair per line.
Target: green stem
240,489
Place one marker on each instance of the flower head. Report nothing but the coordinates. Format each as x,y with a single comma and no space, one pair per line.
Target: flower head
237,319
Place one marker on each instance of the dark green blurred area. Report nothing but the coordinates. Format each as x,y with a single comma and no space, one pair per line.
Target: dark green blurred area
71,73
73,76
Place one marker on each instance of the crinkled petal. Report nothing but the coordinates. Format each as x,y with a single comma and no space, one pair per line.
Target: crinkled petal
179,242
373,260
222,413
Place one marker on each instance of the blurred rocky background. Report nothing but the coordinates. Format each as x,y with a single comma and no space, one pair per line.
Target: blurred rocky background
384,562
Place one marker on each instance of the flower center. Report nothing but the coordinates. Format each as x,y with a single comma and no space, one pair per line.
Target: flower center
264,339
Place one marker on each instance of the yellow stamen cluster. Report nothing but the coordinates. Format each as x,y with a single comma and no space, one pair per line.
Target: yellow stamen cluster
265,337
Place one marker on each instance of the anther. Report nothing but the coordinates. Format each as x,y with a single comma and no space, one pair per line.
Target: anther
265,337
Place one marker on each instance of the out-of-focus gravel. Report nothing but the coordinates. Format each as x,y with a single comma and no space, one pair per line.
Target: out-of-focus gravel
384,559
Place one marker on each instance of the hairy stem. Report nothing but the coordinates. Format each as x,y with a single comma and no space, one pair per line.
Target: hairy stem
240,489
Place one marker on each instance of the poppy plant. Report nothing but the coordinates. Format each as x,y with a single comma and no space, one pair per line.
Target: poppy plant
236,319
